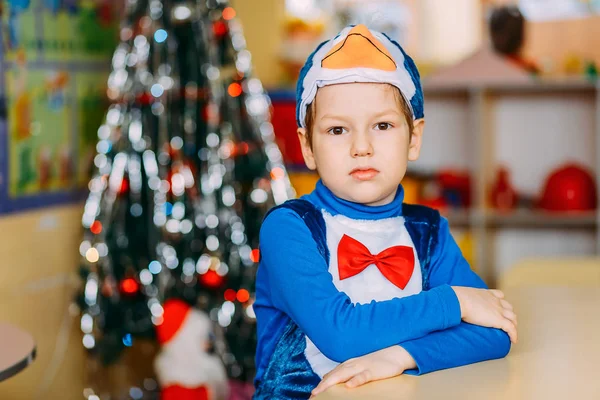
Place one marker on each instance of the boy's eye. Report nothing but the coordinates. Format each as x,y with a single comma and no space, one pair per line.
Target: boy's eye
336,130
383,126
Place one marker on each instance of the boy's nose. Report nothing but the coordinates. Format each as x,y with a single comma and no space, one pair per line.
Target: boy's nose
362,146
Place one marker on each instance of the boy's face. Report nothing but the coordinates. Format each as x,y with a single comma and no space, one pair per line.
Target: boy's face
361,142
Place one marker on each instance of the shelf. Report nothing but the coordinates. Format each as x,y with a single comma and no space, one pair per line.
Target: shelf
541,219
458,218
522,219
534,86
562,85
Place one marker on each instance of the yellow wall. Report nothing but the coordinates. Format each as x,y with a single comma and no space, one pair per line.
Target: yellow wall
38,258
261,20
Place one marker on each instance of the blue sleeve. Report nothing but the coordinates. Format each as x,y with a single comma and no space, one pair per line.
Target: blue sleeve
462,344
302,287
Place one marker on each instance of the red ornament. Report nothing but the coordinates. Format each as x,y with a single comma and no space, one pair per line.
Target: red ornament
145,99
228,13
234,89
211,279
503,195
124,186
255,255
243,295
230,295
220,28
129,286
96,227
242,149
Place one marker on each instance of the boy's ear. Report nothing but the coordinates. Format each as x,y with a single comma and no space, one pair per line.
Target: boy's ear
307,153
416,139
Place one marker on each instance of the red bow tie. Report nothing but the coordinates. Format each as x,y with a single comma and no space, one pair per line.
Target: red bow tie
396,263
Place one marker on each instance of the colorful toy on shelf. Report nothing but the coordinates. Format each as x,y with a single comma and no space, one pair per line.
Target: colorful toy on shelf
431,195
447,188
456,187
573,65
507,32
502,195
591,71
571,187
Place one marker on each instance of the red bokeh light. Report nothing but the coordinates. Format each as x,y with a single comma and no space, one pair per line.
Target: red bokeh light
129,286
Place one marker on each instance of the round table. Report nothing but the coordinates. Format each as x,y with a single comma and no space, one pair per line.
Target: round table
556,357
17,350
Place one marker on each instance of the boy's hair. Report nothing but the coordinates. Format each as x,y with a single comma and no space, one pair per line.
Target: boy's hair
311,111
358,54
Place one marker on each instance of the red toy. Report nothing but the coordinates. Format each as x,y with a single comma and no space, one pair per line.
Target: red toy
569,188
503,195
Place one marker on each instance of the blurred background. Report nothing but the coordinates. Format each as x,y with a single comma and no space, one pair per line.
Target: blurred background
142,141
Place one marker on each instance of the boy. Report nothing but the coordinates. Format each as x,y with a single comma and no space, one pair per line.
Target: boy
349,274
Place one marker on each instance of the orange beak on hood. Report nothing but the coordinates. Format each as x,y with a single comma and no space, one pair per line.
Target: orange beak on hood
360,49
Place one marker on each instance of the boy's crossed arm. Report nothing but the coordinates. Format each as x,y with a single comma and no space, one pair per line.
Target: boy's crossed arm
471,341
460,345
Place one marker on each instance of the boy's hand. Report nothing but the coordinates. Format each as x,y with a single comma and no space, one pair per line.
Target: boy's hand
381,364
487,308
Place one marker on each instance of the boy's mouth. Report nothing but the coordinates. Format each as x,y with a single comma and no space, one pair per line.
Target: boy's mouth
364,174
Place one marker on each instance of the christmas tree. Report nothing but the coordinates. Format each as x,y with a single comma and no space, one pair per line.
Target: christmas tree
186,168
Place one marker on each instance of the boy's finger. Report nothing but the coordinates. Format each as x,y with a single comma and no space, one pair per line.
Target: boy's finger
359,379
498,293
338,375
506,304
326,384
344,365
323,385
511,316
510,328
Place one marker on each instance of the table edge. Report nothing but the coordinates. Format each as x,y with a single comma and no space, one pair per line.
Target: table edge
18,367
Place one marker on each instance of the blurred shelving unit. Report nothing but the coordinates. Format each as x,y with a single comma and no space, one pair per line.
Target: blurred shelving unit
474,118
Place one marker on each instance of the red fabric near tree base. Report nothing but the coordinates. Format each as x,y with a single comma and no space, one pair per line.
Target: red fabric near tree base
175,392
